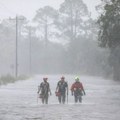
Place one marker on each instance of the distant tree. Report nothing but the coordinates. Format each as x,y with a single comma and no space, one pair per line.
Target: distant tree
77,29
74,18
7,45
45,18
109,36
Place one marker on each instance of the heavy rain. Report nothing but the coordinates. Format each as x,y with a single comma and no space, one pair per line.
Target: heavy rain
59,60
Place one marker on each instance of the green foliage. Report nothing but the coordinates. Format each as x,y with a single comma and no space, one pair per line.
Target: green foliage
7,79
109,23
109,34
11,79
84,54
70,25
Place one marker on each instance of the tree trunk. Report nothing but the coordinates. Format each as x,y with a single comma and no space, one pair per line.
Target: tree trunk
116,72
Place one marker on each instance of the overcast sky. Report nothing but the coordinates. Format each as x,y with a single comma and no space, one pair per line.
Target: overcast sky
9,8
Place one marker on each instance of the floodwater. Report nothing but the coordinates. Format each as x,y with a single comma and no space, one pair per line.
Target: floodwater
18,101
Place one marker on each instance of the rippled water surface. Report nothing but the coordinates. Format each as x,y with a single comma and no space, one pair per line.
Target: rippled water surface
18,101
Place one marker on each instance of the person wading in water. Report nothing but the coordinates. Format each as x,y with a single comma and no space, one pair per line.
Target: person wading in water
77,90
62,90
44,90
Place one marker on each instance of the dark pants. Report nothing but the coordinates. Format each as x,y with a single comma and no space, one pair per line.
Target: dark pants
44,99
78,96
62,98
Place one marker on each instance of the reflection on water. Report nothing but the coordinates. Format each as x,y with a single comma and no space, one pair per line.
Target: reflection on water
19,101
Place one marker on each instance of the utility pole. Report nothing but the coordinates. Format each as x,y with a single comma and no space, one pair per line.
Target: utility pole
16,61
16,46
30,50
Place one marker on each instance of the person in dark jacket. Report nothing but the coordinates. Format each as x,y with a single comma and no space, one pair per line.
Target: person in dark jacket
44,90
62,90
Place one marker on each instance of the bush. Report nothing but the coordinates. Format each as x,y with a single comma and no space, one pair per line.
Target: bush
10,79
7,79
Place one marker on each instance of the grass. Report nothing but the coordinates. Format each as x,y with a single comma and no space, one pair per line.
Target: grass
11,79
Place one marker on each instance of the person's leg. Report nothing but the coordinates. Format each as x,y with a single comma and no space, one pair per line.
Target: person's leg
46,99
59,99
42,100
63,98
80,98
76,98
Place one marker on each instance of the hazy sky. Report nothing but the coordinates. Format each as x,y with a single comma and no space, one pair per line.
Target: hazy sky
9,8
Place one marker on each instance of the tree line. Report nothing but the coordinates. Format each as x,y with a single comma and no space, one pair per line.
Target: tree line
109,33
63,40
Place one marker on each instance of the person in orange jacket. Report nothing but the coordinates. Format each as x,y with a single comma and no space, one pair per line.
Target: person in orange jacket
77,90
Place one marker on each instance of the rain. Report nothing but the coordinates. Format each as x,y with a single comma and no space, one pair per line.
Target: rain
59,60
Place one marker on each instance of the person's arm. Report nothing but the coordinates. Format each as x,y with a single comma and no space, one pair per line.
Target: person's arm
39,88
83,89
50,90
57,87
72,88
67,87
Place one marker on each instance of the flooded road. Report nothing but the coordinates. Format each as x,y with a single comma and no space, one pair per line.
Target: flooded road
18,101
